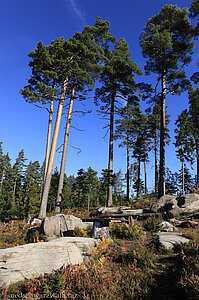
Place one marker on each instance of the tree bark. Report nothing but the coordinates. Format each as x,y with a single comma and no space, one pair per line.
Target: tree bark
145,176
162,139
2,178
156,163
182,176
43,207
127,171
197,170
63,161
138,180
110,162
48,138
89,200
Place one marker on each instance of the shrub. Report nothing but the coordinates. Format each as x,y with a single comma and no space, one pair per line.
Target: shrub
152,223
188,268
125,231
13,234
87,232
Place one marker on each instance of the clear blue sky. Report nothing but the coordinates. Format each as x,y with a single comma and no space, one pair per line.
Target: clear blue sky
23,126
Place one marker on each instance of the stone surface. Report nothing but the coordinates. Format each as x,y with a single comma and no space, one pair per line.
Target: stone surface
170,239
175,205
100,232
78,223
22,262
103,210
61,225
133,211
166,226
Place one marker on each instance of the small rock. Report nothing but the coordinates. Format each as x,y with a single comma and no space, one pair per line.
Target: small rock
167,226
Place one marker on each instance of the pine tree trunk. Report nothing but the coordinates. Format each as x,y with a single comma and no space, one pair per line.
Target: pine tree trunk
131,178
127,171
197,170
43,207
88,200
48,138
63,161
14,191
156,164
2,178
138,180
15,185
145,176
182,176
110,162
162,139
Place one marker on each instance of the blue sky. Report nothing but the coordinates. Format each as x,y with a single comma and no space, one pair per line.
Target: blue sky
23,126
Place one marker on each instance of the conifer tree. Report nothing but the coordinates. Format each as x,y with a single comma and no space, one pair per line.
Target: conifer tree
125,129
92,183
117,76
18,169
183,142
31,186
167,43
153,114
194,119
83,77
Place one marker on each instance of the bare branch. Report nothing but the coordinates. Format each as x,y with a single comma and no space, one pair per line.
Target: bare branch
106,133
76,148
59,147
157,84
42,107
77,128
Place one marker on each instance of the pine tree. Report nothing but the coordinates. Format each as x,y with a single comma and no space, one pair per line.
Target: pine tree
117,77
167,43
31,187
124,128
18,169
92,183
84,73
194,119
153,114
183,141
171,182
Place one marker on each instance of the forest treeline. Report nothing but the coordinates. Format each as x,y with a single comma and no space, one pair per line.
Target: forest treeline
67,71
21,187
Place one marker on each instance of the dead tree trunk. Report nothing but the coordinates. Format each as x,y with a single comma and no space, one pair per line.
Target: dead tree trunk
43,207
63,161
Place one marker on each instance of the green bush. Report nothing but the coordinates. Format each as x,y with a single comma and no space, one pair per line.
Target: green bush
152,224
125,231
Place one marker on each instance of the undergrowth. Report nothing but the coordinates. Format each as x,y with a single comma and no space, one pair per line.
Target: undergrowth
113,272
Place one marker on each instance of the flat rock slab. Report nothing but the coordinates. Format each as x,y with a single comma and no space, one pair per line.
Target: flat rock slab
21,262
170,239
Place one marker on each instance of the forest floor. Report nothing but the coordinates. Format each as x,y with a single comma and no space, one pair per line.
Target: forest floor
144,270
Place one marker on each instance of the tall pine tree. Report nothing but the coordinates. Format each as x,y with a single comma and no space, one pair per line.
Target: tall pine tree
167,43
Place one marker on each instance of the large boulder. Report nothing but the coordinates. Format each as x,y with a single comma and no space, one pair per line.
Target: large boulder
61,225
189,202
170,239
175,205
21,262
